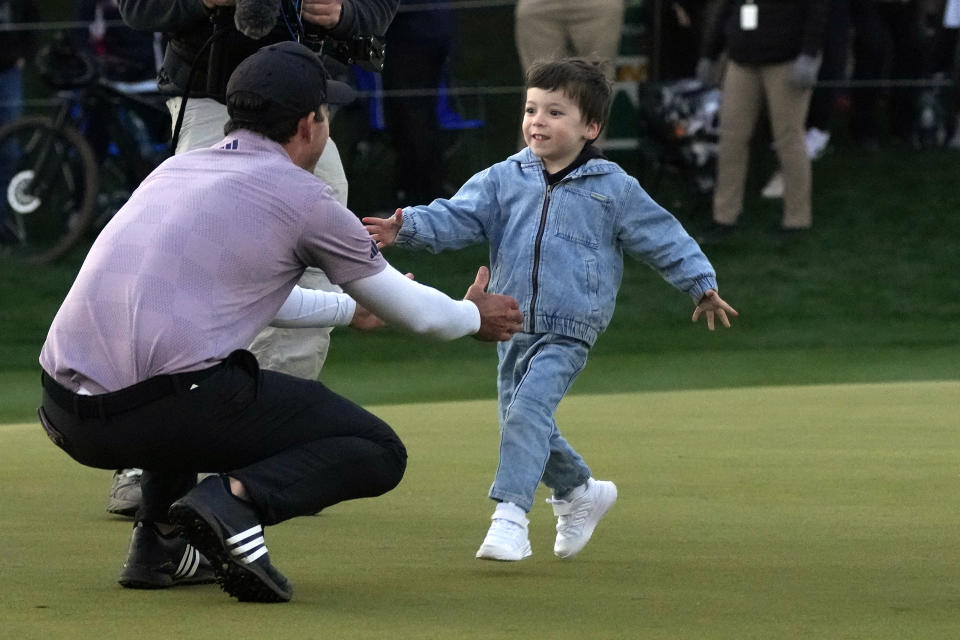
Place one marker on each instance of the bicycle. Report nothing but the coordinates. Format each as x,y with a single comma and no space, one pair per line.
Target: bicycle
58,187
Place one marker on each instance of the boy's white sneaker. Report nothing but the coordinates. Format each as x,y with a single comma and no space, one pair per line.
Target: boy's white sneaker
578,515
506,539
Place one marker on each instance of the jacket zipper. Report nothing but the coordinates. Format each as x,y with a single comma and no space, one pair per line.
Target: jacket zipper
536,259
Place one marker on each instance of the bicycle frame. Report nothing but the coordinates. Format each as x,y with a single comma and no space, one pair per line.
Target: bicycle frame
43,170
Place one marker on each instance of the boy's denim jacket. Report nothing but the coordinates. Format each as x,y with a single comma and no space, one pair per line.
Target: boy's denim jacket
559,251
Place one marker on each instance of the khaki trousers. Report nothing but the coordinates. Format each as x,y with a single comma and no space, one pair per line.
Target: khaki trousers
551,29
297,352
744,89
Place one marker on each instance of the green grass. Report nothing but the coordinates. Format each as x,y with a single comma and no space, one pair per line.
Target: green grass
791,512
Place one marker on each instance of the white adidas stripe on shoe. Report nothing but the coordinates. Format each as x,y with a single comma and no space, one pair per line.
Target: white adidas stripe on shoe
249,551
189,563
227,531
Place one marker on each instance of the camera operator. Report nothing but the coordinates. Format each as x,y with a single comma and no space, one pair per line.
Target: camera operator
188,26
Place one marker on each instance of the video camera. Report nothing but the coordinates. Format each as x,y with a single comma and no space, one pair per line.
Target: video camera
367,52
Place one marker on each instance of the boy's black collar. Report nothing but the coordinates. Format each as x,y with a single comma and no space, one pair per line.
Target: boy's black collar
588,152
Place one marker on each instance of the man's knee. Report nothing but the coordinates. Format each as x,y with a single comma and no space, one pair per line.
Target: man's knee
387,473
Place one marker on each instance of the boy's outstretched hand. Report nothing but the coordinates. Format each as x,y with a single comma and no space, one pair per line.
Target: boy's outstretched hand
384,230
712,304
500,315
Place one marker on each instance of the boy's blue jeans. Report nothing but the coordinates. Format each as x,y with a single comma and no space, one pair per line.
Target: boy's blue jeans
535,372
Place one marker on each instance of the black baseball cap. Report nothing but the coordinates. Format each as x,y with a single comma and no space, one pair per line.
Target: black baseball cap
289,78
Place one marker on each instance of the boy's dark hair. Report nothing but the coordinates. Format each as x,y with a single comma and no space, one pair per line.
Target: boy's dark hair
277,125
581,80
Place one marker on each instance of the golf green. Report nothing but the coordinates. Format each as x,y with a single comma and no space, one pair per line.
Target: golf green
773,512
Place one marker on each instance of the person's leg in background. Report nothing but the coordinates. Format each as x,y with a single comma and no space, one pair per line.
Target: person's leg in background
595,29
739,110
788,112
549,30
833,68
540,32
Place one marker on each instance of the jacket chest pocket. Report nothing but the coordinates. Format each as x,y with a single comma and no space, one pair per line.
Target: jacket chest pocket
582,216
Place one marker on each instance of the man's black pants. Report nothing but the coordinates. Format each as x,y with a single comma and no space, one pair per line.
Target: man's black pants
295,445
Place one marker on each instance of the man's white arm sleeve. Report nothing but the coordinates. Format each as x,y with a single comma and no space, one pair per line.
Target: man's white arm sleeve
409,305
314,308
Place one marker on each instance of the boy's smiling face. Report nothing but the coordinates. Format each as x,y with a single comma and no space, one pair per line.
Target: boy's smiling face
554,129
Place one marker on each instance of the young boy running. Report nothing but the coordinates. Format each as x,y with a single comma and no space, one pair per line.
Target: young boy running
558,217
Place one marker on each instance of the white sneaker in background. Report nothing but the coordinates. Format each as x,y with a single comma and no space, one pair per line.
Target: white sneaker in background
506,539
774,187
125,494
578,515
816,142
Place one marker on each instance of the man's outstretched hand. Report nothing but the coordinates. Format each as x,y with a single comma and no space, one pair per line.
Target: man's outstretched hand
710,305
500,315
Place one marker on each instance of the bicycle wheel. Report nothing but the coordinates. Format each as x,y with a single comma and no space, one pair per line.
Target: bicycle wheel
48,184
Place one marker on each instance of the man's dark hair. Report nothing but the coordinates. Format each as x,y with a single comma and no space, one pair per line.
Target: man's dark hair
275,124
582,81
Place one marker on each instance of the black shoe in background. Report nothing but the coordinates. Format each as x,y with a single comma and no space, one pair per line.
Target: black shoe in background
788,236
156,561
715,234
